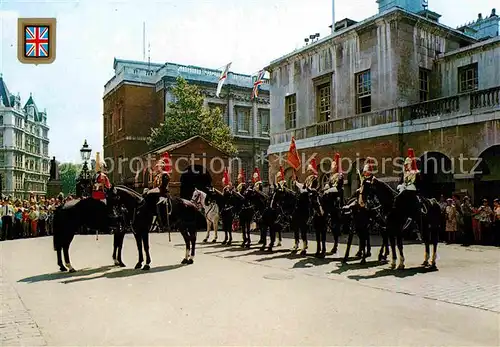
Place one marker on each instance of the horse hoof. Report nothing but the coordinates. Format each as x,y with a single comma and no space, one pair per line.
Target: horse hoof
317,254
116,262
279,244
72,270
304,252
122,265
368,255
344,261
184,261
261,242
146,267
243,245
425,263
334,250
401,266
62,268
224,242
393,266
247,245
229,243
263,248
205,240
190,261
269,249
363,261
358,255
433,266
214,240
322,255
138,266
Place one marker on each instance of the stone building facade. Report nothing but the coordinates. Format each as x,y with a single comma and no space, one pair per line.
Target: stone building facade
24,146
396,80
136,98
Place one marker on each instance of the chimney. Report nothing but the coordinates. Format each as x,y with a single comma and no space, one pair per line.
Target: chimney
333,16
479,17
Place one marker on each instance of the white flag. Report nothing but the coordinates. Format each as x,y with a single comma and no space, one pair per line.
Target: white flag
222,79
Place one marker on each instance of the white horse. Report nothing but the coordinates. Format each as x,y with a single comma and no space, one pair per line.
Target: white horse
211,212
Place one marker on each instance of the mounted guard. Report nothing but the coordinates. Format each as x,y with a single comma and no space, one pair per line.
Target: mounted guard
407,196
242,186
101,185
335,183
311,182
280,179
366,177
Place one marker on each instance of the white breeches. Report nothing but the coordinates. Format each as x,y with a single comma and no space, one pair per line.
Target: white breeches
332,190
104,200
403,187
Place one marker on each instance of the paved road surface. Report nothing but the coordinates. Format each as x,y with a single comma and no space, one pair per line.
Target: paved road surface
232,296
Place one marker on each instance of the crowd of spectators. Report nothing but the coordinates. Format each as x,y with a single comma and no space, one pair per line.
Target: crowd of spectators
467,224
27,218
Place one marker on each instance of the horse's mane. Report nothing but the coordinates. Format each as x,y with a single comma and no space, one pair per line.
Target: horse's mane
129,191
384,192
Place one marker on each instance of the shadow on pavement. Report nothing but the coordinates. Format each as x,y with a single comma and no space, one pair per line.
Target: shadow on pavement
356,266
412,271
125,273
60,275
285,254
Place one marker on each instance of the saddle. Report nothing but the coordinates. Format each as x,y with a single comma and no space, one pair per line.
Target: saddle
188,203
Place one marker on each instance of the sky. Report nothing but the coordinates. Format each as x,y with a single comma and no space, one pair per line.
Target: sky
208,33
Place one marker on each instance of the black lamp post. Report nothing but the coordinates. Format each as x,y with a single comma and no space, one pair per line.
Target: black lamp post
84,185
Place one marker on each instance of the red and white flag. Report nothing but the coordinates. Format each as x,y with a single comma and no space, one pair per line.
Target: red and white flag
257,83
222,79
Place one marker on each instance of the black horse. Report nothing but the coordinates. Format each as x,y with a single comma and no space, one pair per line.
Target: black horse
129,201
279,215
429,220
246,215
332,202
231,206
319,223
300,221
81,213
176,214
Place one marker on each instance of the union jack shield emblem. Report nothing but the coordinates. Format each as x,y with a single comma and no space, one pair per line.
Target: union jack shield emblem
36,41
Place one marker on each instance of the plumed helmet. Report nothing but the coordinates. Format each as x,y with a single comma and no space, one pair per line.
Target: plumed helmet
312,166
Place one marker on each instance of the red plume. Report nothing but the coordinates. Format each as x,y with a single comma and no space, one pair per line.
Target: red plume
256,175
241,176
411,155
167,163
225,179
282,173
313,166
337,160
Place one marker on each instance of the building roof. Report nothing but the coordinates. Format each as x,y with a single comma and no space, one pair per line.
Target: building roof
5,94
366,22
174,146
29,103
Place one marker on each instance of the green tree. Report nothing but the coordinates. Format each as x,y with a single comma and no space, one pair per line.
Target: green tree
68,174
187,117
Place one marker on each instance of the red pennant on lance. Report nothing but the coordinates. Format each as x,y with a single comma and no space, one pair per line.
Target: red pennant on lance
293,156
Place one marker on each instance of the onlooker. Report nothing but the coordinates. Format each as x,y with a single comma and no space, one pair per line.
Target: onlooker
496,229
467,212
42,218
451,220
485,218
7,214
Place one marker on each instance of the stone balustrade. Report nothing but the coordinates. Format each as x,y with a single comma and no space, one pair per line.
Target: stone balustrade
458,105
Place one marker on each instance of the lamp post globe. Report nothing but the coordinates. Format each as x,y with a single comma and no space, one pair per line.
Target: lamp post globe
85,151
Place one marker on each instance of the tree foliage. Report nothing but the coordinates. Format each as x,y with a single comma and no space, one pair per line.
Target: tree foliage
187,117
68,174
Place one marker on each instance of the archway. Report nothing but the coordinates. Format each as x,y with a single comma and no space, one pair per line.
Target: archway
487,177
436,175
195,176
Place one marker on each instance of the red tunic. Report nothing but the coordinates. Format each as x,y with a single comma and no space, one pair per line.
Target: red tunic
102,183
